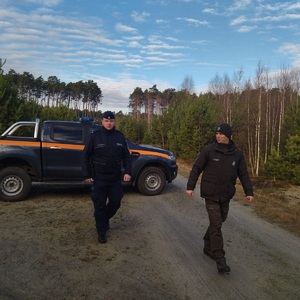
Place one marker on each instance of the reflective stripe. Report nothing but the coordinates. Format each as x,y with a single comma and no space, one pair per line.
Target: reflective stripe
63,146
147,152
19,143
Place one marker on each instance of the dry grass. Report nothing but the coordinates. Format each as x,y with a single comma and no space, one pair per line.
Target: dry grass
276,202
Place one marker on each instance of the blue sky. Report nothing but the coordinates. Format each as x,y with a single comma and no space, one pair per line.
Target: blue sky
123,44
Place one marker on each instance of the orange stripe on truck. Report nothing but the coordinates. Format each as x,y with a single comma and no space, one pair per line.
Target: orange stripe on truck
63,146
19,143
145,152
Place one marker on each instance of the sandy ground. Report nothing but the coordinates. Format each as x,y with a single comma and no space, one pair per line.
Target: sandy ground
49,250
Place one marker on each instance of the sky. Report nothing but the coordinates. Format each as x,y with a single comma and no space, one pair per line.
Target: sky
124,44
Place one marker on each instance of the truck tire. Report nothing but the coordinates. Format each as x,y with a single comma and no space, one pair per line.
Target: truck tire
15,184
151,181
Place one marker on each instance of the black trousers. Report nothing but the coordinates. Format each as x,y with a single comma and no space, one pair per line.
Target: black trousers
213,238
106,197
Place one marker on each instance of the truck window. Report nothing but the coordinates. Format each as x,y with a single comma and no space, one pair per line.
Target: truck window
67,134
24,131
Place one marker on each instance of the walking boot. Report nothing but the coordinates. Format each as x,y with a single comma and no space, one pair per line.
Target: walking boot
223,268
102,238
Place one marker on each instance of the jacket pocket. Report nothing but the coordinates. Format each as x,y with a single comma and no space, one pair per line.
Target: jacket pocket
208,188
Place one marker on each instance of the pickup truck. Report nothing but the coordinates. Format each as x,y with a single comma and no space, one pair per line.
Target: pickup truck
50,153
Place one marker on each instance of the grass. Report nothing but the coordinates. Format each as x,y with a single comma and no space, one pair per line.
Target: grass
274,201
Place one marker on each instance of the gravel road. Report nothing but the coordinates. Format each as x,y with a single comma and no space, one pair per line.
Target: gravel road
49,250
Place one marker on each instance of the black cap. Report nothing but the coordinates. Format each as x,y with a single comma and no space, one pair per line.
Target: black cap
108,115
225,129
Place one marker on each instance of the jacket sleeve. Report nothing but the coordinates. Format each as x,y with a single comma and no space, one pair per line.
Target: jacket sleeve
244,176
198,167
86,159
126,158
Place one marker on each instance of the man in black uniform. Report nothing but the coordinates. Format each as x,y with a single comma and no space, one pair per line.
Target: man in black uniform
221,163
103,157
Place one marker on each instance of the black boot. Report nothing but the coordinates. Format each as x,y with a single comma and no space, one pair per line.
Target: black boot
223,268
102,238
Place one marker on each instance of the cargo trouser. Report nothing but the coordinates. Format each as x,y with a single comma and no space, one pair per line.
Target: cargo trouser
106,197
213,238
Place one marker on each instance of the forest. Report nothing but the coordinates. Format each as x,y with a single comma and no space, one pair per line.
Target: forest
264,113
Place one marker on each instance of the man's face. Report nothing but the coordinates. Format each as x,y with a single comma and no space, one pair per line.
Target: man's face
221,138
108,123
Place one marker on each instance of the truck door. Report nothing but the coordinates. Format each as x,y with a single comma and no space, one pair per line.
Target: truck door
62,147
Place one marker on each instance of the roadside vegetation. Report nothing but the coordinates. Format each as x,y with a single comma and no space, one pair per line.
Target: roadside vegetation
277,202
264,113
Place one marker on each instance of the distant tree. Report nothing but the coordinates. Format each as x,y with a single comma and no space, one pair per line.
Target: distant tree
285,166
2,63
58,113
188,84
9,103
26,85
150,102
39,90
133,129
28,111
92,95
53,86
136,102
191,123
167,96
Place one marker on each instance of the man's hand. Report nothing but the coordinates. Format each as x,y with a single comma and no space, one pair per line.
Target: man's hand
249,198
126,177
190,193
89,180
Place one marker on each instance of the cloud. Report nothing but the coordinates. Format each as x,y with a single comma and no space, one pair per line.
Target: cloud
290,48
193,21
124,28
211,11
239,20
134,44
265,19
139,17
161,21
246,28
44,2
200,42
240,4
280,7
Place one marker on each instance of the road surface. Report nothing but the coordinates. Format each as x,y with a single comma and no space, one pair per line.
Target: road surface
49,250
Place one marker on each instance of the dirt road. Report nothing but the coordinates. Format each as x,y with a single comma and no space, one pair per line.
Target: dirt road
49,250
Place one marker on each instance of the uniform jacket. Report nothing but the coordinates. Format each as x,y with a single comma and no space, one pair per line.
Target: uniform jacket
105,154
221,166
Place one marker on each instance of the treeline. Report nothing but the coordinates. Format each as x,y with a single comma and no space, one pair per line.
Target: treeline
264,113
84,96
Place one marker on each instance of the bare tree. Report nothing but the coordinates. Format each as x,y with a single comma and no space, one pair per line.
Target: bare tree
259,84
283,83
187,84
2,63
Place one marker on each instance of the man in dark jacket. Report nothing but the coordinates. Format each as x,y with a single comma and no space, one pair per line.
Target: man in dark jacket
103,157
221,163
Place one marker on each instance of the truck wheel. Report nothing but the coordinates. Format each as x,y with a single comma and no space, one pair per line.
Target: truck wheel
151,181
15,184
